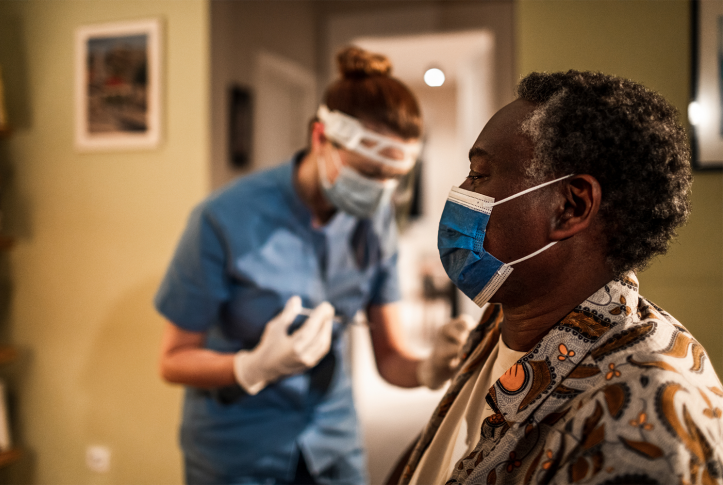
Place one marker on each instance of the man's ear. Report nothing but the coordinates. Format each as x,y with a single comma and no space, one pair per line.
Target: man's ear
580,202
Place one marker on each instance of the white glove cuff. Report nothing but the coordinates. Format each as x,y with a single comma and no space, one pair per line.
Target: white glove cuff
245,370
427,376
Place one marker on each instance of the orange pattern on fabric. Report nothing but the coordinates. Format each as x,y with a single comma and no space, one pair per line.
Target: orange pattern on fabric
621,341
541,379
564,352
513,378
616,397
640,422
679,349
585,324
613,372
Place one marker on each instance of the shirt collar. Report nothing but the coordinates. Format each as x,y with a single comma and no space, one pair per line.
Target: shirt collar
531,380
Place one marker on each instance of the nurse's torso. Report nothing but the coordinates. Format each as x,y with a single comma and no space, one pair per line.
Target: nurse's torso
272,253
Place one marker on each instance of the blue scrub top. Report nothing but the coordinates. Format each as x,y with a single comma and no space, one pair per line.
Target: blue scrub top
246,250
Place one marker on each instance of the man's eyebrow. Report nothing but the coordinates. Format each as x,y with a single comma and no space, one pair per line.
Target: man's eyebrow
477,152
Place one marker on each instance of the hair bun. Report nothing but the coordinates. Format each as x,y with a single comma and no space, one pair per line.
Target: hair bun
355,62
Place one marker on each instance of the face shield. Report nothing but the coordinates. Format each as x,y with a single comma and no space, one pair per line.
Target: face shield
348,132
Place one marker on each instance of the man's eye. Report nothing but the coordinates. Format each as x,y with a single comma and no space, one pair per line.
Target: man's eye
475,177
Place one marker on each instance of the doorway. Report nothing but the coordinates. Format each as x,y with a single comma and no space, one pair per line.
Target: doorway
454,113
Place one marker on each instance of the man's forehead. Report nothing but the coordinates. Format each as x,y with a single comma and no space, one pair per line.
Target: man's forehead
477,152
501,139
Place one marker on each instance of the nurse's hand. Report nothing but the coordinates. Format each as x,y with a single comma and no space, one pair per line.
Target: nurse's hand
279,354
434,371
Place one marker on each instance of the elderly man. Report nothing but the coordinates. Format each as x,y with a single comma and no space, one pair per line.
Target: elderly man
572,376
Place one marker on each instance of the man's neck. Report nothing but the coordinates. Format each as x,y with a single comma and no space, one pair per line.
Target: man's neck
526,324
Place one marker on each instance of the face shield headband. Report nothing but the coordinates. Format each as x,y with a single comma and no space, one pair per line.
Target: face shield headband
348,132
460,241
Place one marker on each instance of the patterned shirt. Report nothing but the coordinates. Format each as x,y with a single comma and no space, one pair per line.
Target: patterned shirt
617,392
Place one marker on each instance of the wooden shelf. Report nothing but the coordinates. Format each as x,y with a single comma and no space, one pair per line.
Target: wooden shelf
6,242
7,354
9,457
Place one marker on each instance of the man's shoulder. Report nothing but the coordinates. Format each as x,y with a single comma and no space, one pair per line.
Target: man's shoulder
649,405
656,390
653,340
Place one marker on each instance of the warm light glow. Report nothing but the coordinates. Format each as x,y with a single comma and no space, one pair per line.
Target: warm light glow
434,77
696,113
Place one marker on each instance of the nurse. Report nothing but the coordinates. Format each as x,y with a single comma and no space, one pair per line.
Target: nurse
268,274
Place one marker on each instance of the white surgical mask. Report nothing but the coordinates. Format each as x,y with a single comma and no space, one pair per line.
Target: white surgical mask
352,192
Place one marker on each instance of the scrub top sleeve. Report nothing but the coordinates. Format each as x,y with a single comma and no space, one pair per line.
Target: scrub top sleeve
196,283
386,283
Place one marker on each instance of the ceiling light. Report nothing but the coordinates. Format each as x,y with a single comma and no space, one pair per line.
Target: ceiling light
434,77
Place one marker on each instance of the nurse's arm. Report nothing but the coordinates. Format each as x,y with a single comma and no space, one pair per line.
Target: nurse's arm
185,361
395,362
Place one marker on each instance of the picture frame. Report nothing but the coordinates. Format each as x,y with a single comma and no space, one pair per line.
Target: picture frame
4,125
705,111
240,126
6,443
118,85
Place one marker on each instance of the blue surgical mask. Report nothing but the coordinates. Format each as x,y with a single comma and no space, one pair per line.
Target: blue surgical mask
460,241
352,192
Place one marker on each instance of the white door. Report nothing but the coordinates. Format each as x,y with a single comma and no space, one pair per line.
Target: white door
285,102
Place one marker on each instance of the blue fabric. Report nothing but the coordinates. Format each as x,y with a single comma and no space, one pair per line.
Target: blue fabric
460,242
245,251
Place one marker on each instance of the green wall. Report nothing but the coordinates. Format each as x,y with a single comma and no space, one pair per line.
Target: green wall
647,41
95,232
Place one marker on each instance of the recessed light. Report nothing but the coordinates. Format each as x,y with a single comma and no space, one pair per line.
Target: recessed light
434,77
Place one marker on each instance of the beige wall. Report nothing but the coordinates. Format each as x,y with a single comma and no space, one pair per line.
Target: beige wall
647,41
95,232
384,18
286,28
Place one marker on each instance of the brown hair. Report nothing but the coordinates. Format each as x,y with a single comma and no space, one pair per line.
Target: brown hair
366,90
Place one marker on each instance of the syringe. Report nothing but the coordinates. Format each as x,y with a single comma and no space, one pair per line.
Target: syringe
307,312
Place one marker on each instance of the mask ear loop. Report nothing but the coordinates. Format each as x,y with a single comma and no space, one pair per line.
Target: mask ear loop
531,189
335,157
321,164
533,254
512,263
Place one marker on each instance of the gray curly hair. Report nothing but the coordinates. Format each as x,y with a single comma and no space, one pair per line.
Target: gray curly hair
625,136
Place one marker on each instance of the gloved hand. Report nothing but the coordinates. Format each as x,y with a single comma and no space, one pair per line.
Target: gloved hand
434,371
279,354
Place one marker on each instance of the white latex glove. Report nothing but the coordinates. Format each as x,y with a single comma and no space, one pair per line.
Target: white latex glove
279,354
436,369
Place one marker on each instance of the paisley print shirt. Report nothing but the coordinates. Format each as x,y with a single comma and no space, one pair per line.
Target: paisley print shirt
618,392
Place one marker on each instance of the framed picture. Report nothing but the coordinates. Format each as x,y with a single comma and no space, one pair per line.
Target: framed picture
240,123
3,111
705,112
117,85
5,436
